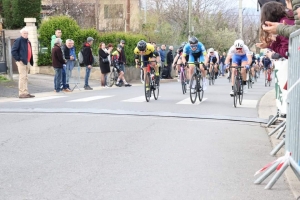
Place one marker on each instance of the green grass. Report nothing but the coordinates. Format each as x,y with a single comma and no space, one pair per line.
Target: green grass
3,79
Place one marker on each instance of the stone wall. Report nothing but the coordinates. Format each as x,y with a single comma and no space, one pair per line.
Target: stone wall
131,73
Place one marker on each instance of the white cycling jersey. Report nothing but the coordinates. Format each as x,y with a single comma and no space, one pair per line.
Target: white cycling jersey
215,54
245,50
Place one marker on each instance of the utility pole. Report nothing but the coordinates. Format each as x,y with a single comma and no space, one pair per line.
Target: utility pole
190,8
145,12
240,19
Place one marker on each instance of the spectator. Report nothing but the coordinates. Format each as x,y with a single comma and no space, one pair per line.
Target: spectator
22,53
57,61
282,28
222,63
162,54
109,49
123,56
88,60
275,12
104,67
116,60
69,53
170,59
57,35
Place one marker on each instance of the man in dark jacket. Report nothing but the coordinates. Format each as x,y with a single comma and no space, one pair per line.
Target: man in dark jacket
170,60
88,60
22,53
57,61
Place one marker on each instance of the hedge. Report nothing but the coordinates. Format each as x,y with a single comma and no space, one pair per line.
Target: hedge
71,30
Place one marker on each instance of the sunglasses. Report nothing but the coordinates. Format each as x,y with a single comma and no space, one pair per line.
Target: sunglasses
239,48
211,52
193,45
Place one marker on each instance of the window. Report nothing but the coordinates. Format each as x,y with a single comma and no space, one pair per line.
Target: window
112,11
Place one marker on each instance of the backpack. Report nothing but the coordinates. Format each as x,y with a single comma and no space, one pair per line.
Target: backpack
80,57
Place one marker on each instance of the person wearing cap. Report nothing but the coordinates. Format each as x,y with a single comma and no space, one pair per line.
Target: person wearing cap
88,60
116,59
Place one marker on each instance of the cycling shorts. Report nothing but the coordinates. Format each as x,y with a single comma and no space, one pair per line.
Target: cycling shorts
213,59
238,59
146,58
195,57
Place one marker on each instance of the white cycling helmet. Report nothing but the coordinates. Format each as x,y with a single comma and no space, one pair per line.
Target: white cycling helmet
210,50
239,43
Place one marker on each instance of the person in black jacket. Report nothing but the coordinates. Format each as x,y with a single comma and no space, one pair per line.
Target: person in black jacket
88,60
58,62
22,53
170,60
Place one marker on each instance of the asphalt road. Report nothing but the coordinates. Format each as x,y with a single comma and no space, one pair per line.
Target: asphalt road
111,144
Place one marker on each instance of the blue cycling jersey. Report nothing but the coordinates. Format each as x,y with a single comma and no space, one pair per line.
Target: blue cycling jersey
187,50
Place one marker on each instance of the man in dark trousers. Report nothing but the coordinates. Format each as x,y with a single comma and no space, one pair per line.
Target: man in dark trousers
122,58
170,60
58,62
88,61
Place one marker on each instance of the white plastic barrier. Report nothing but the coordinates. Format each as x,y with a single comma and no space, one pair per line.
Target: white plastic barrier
281,74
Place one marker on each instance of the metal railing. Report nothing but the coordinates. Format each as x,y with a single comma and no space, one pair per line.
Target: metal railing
292,136
293,98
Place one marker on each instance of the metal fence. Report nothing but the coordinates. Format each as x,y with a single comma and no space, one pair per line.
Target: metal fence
293,98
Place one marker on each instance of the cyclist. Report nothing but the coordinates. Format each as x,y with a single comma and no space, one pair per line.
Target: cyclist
147,53
253,67
118,66
212,57
196,52
177,60
241,56
267,64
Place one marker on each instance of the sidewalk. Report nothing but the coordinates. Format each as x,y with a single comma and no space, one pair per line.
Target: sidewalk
266,108
40,83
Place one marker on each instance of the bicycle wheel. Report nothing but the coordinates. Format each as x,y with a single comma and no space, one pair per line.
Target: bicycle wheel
200,88
111,79
193,88
147,87
183,81
249,81
241,92
235,92
213,77
155,91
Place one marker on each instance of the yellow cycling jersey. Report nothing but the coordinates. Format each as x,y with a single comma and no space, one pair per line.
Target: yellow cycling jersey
149,49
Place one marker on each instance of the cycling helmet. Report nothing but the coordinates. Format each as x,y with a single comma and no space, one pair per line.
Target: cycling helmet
210,50
193,40
141,45
239,44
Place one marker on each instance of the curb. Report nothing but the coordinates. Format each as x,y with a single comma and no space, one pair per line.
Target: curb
267,107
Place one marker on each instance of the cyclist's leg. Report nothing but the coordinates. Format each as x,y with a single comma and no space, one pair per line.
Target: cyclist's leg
191,65
244,60
144,65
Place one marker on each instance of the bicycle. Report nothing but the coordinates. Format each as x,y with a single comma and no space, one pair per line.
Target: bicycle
150,84
196,85
113,77
268,78
183,79
238,86
212,74
249,72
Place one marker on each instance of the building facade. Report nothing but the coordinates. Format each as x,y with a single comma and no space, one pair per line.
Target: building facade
103,15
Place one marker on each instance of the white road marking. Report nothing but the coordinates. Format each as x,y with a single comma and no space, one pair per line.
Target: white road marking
187,101
93,98
136,99
39,99
248,103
